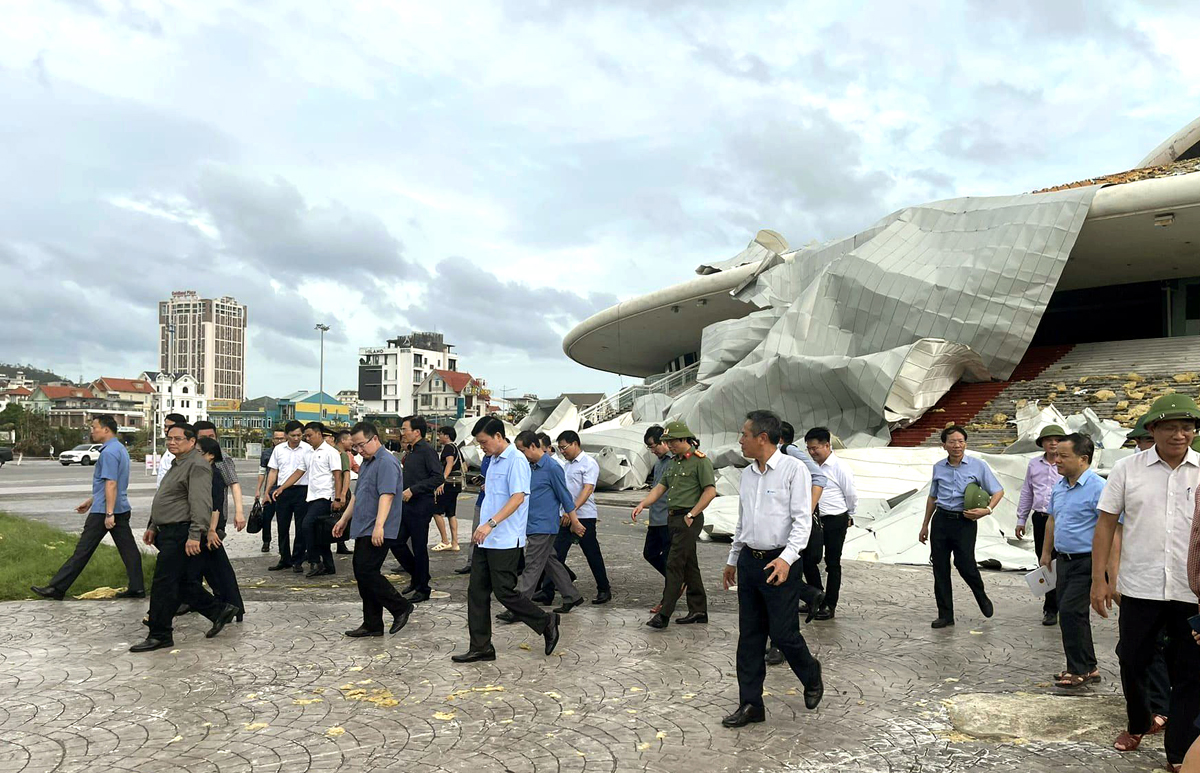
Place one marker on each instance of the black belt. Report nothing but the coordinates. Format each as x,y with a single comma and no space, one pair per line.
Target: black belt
835,515
765,555
1041,512
1074,556
951,514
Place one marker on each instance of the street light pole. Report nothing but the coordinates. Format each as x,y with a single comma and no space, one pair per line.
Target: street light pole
324,329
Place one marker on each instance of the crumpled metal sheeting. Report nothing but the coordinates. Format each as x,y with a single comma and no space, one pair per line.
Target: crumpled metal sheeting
472,455
931,368
977,272
1105,433
765,245
619,450
565,416
651,408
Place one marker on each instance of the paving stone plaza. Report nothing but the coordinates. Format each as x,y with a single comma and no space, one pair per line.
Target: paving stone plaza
285,691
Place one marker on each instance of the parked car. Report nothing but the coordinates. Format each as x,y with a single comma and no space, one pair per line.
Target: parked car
85,454
5,455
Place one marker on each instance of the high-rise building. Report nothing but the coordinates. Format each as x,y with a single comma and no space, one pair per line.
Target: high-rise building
389,375
206,338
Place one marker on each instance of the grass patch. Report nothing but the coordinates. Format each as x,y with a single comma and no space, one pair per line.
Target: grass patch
31,552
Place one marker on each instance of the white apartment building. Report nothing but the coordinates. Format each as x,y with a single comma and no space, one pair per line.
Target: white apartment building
177,393
205,337
388,376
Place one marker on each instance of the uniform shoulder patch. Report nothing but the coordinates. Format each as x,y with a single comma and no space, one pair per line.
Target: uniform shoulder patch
699,454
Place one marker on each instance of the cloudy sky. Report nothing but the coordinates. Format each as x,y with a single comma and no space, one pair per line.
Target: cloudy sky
500,171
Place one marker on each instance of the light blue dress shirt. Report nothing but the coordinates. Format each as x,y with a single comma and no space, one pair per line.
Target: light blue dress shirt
1075,510
112,465
507,474
949,483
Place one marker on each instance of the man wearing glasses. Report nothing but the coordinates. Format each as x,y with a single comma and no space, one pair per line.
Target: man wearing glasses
373,519
167,458
953,528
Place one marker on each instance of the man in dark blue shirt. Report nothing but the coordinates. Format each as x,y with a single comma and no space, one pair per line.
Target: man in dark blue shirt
549,498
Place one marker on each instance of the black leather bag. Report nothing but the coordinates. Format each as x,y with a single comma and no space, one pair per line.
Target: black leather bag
255,523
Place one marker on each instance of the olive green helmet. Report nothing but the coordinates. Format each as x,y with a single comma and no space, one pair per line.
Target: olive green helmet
1169,407
677,430
974,497
1050,430
1139,430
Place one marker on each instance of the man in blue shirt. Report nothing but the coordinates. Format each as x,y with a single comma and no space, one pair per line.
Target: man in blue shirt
483,468
549,499
498,547
1074,509
954,529
108,513
373,517
658,536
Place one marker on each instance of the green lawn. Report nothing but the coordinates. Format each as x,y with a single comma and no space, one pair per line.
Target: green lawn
31,552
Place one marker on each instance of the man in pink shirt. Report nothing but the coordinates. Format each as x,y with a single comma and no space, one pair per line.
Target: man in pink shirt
1040,477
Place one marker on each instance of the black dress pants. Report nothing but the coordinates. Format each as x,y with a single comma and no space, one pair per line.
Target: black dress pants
810,562
268,513
1050,605
291,505
89,540
219,574
376,591
954,537
768,611
657,547
589,543
411,548
1140,622
494,572
177,577
683,566
1074,609
834,528
320,549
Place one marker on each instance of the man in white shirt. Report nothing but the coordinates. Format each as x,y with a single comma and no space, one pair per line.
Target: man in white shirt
289,469
774,520
324,474
1156,489
165,460
839,500
582,473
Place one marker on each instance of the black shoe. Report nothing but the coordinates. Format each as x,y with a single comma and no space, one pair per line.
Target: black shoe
417,598
342,550
463,569
541,599
506,617
317,572
331,569
362,631
266,548
775,656
745,715
658,621
400,620
825,614
1050,618
471,656
131,594
279,567
152,644
567,606
410,589
814,608
227,614
47,592
814,692
551,633
804,609
602,597
942,622
184,609
298,568
695,617
241,614
986,607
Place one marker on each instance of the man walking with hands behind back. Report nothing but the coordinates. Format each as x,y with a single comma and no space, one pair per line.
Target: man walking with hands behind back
774,519
1040,478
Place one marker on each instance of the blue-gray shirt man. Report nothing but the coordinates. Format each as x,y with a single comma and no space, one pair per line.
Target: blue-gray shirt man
378,475
113,465
549,496
950,481
1075,510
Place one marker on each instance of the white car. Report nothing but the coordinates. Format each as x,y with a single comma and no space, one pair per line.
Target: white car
85,454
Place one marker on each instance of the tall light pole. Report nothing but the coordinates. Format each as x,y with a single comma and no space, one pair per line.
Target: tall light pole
324,329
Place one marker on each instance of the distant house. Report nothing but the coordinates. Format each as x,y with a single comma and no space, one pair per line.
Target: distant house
306,406
136,390
18,395
178,393
75,407
445,394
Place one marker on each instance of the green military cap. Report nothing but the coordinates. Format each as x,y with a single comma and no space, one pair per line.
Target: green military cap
1196,444
1172,406
975,497
677,430
1139,430
1050,430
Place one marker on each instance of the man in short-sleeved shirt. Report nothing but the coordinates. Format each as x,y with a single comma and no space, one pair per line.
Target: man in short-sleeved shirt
108,513
582,474
658,537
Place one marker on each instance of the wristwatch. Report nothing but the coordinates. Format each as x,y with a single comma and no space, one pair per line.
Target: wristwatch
492,523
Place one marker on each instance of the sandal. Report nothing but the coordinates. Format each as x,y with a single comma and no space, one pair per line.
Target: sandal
1158,725
1071,681
454,548
440,546
1127,741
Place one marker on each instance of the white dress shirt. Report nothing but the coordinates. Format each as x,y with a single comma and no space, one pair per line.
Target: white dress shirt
164,464
774,508
1158,503
582,471
839,495
321,464
287,460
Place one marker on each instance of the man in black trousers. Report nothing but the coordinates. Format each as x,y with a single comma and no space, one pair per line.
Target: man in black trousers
422,476
108,512
218,571
179,519
774,519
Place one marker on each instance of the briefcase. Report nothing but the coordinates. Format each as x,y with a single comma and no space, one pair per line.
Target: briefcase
255,523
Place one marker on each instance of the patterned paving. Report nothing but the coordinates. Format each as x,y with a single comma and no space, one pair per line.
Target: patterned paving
284,691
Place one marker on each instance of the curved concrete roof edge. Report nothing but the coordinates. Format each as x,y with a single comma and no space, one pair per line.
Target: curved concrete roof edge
1174,146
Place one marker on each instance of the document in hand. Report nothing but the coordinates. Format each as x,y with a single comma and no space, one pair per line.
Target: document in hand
1041,580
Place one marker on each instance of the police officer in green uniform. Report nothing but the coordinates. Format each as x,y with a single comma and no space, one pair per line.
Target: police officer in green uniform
689,484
